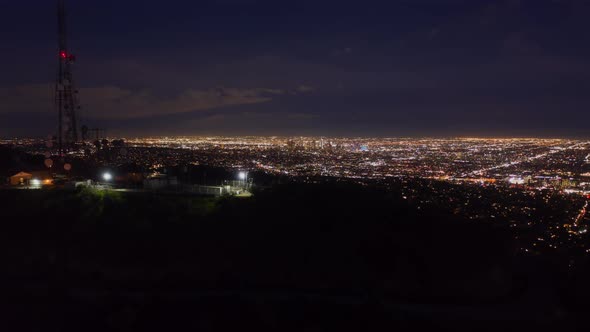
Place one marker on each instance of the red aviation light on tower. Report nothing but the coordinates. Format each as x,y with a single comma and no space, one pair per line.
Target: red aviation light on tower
63,54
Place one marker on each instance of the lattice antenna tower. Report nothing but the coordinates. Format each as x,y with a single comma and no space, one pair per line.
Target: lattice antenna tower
66,101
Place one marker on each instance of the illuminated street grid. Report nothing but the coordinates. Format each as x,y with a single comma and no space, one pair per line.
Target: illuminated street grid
539,163
537,186
557,164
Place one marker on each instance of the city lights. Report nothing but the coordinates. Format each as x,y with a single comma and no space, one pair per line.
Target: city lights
520,162
526,182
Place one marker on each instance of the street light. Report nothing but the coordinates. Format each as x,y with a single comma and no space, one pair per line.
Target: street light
243,175
107,176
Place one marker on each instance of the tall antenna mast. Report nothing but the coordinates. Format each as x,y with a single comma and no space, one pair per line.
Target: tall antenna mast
66,101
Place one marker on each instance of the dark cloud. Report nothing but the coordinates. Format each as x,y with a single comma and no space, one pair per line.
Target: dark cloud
112,102
258,66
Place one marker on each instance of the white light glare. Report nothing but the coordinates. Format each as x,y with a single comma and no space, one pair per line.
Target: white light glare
36,182
107,176
242,175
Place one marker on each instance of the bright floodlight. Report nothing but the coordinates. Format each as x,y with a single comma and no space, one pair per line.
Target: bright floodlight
36,182
107,176
242,175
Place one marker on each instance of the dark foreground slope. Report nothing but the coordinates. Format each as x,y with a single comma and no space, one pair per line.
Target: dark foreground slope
296,257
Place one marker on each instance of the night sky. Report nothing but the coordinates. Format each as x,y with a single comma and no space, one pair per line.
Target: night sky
334,68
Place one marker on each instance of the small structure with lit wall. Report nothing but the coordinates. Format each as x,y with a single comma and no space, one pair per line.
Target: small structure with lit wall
38,178
21,179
